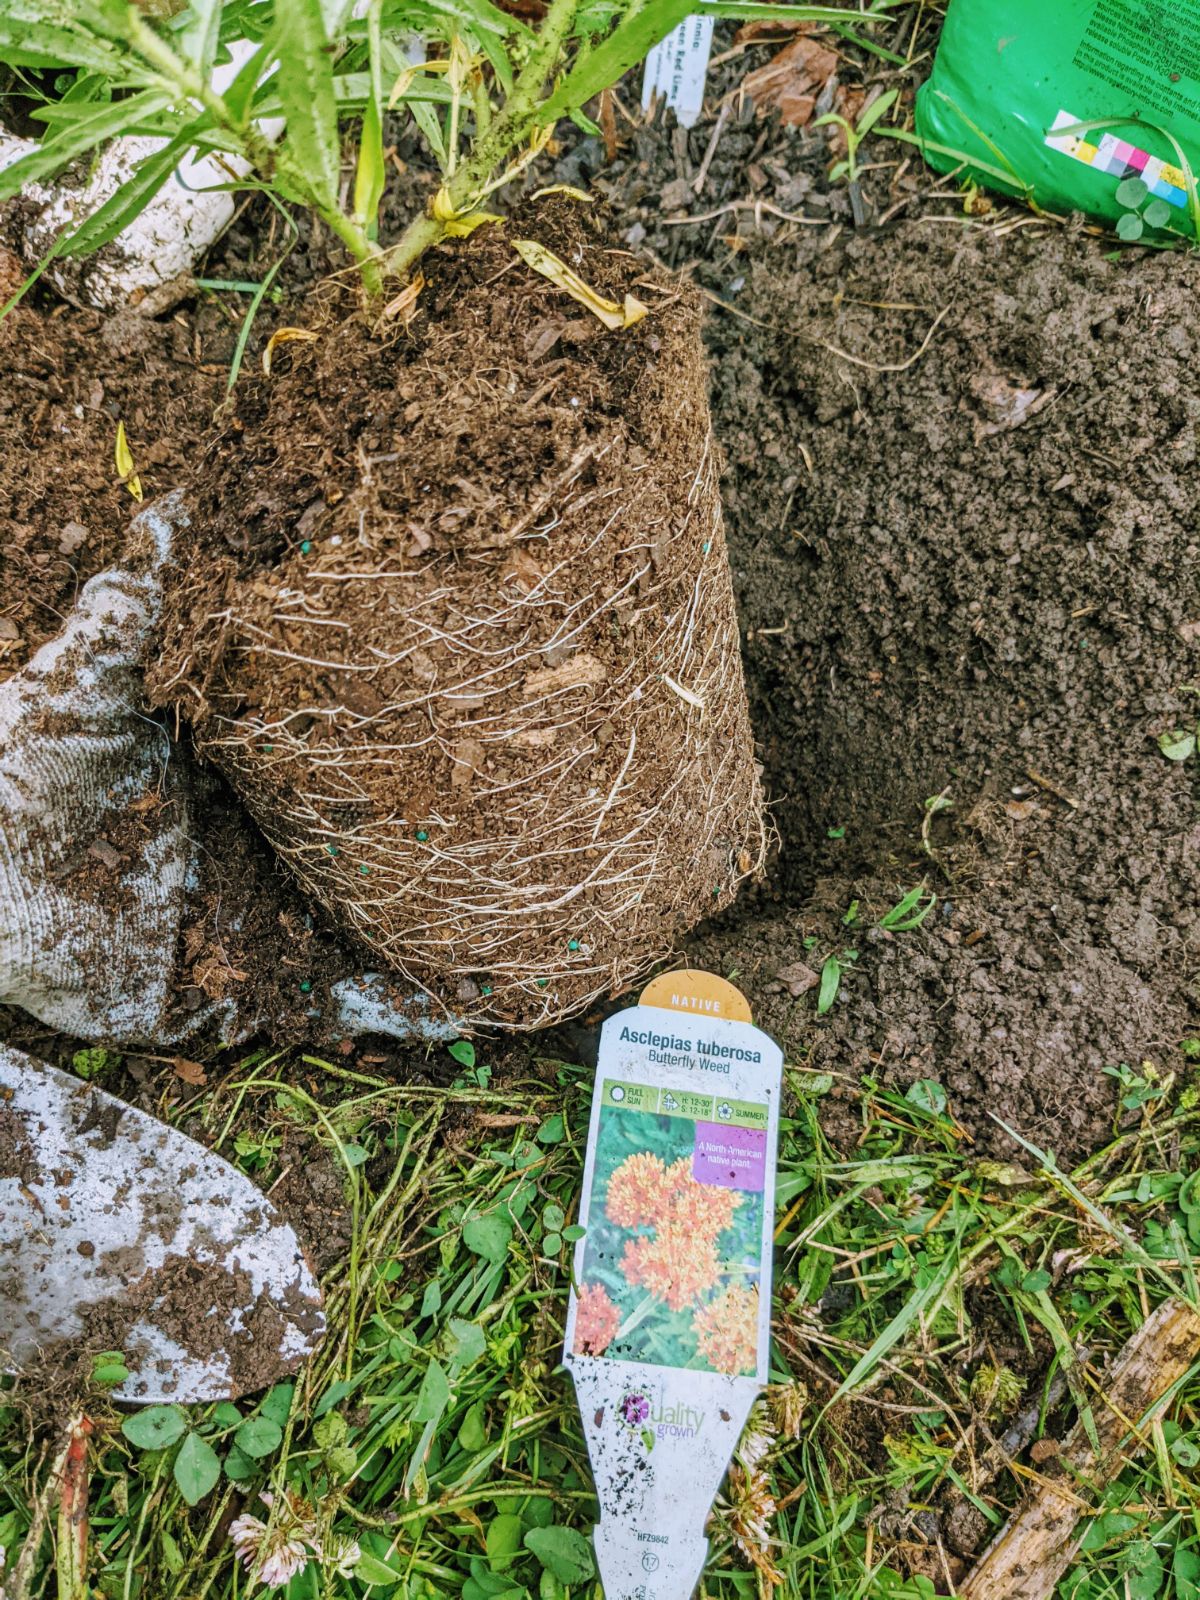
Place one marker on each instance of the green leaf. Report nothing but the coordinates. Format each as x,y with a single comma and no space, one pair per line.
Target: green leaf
305,83
1157,214
369,1569
107,1373
431,1301
469,1343
553,1130
574,1233
198,38
538,1511
928,1095
876,110
1142,1568
463,1052
128,202
95,1062
226,1414
1185,1569
472,1436
197,1468
1034,1282
1131,193
26,41
503,1540
551,1588
1186,1452
85,133
154,1428
239,1468
551,1244
277,1403
369,174
258,1436
172,1554
488,1236
599,68
1130,227
1178,744
831,980
553,1218
562,1551
434,1394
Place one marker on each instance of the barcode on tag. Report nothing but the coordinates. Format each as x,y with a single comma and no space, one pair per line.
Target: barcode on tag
676,69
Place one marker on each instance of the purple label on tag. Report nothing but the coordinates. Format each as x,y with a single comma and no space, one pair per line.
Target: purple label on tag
733,1158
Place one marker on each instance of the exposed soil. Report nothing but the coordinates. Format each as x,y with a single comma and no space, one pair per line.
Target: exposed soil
1000,611
455,621
69,377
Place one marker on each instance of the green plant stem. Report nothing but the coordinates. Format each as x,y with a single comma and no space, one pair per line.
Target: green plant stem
366,256
515,120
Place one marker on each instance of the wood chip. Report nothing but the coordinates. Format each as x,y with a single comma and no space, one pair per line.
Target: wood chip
190,1071
792,81
107,854
71,536
580,671
798,978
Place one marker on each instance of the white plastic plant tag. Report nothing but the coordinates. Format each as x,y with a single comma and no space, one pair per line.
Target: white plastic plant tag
676,69
668,1324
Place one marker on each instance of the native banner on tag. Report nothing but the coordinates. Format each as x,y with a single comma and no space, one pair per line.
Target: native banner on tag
669,1318
676,69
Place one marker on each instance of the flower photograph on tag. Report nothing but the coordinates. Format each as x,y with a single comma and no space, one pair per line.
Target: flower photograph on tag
673,1257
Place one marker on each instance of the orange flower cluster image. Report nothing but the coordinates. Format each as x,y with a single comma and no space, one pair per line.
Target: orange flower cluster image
678,1262
596,1320
727,1330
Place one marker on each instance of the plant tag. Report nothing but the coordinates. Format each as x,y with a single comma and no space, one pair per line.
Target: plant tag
669,1317
677,66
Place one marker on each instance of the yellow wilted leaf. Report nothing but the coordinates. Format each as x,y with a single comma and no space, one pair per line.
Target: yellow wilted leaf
409,75
284,336
123,457
402,305
564,188
460,227
550,266
458,224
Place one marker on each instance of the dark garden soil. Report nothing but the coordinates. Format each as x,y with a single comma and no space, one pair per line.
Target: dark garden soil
975,577
964,519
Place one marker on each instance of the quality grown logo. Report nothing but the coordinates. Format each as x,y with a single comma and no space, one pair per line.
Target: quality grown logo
656,1418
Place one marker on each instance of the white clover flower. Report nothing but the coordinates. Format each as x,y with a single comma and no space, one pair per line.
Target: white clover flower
341,1556
276,1555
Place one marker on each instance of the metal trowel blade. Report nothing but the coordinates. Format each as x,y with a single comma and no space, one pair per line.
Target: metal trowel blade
118,1233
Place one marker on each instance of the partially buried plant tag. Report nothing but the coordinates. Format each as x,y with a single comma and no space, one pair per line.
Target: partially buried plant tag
669,1323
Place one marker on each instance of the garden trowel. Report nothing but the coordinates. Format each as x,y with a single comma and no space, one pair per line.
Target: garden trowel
120,1235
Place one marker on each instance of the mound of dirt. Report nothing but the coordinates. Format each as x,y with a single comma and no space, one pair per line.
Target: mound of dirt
458,626
968,569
